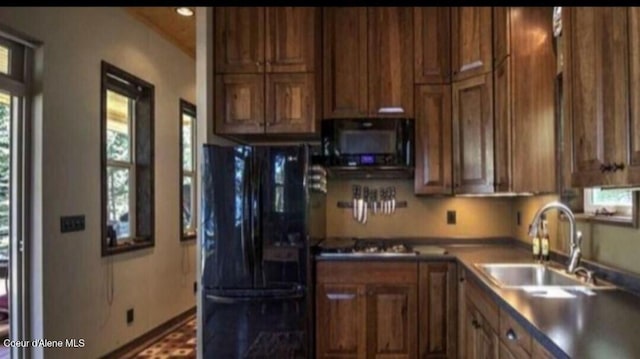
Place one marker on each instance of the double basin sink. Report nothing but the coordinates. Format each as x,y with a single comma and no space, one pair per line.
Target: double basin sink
539,280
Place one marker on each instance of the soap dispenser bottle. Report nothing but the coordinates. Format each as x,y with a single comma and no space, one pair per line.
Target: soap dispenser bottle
536,246
545,241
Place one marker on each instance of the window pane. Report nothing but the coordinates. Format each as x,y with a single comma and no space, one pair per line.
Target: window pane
4,60
187,142
186,202
5,173
118,200
611,197
118,119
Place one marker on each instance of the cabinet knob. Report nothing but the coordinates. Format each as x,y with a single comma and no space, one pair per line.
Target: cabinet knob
511,335
606,167
258,63
475,323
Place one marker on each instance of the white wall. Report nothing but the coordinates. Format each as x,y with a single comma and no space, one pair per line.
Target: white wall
156,282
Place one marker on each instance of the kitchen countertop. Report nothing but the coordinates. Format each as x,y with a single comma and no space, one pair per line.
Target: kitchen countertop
602,326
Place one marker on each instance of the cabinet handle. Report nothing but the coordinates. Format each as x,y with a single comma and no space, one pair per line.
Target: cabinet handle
461,280
475,323
390,110
618,166
258,63
511,335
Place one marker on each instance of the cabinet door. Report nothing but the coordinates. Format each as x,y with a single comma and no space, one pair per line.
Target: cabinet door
502,148
470,327
473,135
501,34
391,321
505,353
340,321
471,41
437,314
345,62
634,88
390,61
433,139
239,39
432,49
290,103
239,104
597,73
539,352
487,344
292,35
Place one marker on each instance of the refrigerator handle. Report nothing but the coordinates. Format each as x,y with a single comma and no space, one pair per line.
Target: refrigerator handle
247,218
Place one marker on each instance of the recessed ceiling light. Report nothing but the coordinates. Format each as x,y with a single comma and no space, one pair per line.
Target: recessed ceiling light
184,11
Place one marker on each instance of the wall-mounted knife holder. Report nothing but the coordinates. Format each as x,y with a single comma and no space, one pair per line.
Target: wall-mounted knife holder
365,202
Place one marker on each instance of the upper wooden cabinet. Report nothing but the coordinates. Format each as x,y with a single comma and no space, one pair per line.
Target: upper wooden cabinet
267,79
433,140
471,41
432,45
597,89
473,135
272,39
390,61
239,39
634,96
501,34
368,62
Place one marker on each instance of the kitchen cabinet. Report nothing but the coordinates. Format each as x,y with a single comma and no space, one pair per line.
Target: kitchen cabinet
471,41
539,352
368,62
597,98
502,127
432,45
437,322
481,341
378,309
266,80
473,135
501,34
433,140
514,337
634,96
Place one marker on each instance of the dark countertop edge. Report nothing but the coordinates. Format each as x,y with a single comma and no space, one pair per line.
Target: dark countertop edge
537,334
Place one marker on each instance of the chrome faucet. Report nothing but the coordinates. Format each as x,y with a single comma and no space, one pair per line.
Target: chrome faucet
574,235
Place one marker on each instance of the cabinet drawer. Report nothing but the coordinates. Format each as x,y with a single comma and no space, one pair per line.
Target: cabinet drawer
514,336
482,301
367,272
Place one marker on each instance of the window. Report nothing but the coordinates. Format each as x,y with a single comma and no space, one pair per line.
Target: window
612,202
4,60
5,174
188,169
127,171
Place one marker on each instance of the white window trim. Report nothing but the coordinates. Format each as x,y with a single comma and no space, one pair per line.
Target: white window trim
191,230
590,207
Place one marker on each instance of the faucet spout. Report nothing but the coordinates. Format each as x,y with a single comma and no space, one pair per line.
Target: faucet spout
575,236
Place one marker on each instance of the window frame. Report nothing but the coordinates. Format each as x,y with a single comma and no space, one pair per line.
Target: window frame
590,207
119,81
189,109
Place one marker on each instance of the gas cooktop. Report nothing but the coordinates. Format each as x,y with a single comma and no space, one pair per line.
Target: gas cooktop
352,248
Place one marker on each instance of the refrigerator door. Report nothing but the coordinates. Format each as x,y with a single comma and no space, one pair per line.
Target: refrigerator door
255,328
228,260
282,247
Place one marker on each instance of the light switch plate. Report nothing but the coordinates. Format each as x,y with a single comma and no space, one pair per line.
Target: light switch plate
72,223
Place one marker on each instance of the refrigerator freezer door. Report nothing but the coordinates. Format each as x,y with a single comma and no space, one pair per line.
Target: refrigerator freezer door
226,245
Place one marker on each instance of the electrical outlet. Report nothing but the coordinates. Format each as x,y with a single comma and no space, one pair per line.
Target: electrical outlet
71,223
451,217
129,316
518,218
195,287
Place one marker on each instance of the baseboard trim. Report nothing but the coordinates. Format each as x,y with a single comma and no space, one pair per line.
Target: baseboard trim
133,347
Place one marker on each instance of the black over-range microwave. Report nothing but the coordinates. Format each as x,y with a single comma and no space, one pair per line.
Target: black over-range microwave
369,147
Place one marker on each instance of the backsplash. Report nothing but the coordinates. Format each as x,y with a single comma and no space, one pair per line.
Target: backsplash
424,216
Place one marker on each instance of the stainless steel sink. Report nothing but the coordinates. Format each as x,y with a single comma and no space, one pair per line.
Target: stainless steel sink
533,276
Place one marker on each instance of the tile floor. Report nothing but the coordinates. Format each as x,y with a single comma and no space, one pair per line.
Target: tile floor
179,344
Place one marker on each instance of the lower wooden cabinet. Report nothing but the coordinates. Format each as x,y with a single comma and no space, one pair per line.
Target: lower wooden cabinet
480,339
372,310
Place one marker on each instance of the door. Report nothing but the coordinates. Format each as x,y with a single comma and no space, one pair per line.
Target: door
503,98
634,96
437,310
433,140
345,62
390,61
239,39
473,135
470,41
432,45
597,74
240,104
292,38
391,321
290,103
340,321
501,34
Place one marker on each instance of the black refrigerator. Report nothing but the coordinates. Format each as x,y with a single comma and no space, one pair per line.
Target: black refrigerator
260,206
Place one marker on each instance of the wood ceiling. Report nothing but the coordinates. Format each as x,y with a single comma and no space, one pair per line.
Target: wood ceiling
180,30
